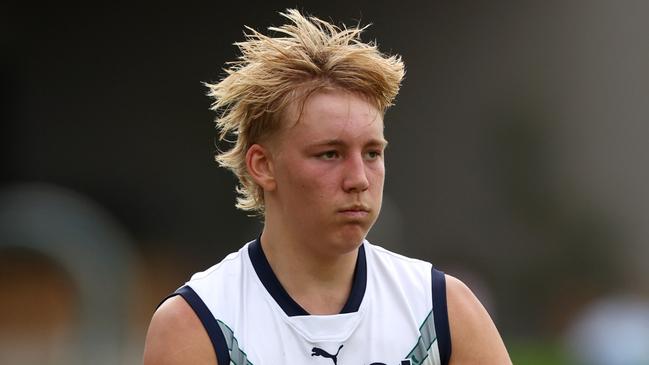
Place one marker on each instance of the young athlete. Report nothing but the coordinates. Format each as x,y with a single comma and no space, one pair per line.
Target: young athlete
306,110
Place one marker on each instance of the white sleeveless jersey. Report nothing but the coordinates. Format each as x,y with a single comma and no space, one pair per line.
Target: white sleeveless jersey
395,315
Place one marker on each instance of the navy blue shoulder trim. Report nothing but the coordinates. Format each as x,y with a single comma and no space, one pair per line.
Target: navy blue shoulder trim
292,308
440,313
208,321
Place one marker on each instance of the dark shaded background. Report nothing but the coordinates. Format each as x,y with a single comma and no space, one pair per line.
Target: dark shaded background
517,156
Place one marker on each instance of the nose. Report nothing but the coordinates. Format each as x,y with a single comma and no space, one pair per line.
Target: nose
355,177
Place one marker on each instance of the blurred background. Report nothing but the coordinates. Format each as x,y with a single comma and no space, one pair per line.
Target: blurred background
517,162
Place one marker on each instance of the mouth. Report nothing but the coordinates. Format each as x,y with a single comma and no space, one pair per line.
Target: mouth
355,211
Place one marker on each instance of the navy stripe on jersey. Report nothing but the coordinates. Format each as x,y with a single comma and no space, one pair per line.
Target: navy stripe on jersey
208,320
440,313
358,286
290,307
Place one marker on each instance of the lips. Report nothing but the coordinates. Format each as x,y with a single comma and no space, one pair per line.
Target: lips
355,211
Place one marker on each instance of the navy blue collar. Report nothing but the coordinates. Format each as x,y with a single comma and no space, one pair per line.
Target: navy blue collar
290,307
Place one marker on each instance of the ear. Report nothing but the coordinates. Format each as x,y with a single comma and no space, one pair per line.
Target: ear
260,166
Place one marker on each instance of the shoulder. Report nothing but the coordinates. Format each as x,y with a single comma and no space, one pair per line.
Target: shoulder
230,264
390,258
408,273
177,337
474,336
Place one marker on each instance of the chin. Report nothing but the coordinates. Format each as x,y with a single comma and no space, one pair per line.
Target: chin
350,239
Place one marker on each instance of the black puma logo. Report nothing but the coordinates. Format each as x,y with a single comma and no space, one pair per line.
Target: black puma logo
320,352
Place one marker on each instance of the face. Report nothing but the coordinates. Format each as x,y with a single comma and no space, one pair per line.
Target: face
329,170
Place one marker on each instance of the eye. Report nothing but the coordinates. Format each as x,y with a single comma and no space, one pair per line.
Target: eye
328,155
373,154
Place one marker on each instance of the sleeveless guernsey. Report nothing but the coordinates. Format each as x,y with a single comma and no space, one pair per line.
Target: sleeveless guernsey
395,315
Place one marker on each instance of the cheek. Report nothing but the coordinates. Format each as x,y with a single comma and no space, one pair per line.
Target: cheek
308,181
377,174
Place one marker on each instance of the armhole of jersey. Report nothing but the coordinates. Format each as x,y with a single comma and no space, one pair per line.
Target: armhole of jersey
207,319
440,313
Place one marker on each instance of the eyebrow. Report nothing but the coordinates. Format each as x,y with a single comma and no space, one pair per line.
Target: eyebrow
339,142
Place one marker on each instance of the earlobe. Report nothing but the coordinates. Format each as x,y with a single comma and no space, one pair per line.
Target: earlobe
260,166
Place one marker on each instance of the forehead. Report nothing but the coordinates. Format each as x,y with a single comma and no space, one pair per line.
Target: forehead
334,111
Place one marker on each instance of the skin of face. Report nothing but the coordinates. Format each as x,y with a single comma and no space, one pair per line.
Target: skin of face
328,170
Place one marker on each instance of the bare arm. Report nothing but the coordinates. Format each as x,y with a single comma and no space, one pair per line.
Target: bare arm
474,336
177,337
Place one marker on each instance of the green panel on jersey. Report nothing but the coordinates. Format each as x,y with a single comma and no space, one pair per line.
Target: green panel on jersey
427,336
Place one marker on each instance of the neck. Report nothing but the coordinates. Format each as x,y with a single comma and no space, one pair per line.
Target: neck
319,282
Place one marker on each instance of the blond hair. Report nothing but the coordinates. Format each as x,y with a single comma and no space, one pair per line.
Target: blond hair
272,72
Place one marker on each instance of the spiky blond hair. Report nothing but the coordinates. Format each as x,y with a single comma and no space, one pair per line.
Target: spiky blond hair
308,54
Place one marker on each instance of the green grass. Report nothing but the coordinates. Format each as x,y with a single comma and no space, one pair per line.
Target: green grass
537,353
